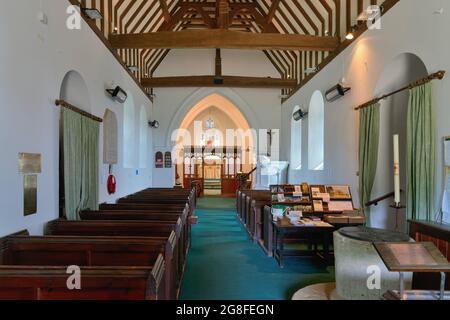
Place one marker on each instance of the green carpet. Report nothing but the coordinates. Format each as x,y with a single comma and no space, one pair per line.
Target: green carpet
223,264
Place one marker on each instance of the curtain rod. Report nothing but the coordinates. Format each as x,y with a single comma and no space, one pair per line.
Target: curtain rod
67,105
438,75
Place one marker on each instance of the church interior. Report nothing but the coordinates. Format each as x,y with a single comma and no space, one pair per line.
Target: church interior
225,150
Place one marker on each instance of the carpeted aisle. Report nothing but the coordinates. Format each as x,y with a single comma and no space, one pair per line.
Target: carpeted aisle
224,264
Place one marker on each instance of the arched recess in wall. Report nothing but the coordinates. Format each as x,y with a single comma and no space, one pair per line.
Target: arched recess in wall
129,133
401,71
296,141
75,91
316,132
143,132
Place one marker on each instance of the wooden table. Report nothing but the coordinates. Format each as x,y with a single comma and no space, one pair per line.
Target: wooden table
320,232
413,257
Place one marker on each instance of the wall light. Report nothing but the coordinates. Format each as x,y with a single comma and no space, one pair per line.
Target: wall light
338,91
153,124
91,13
133,68
118,94
299,115
351,34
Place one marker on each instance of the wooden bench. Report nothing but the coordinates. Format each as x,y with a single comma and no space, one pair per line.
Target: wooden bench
145,215
256,215
98,283
121,228
94,252
165,195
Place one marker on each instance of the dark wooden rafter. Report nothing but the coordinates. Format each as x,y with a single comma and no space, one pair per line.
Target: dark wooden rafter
307,17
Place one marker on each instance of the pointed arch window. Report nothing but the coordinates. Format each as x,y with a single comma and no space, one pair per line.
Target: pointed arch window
296,141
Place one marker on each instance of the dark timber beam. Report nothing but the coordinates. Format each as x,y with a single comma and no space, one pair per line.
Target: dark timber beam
165,10
224,39
213,81
273,10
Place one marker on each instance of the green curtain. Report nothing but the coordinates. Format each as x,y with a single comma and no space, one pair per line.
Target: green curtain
90,160
369,136
72,162
421,154
80,149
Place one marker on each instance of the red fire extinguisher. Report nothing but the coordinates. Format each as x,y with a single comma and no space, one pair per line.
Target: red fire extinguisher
112,183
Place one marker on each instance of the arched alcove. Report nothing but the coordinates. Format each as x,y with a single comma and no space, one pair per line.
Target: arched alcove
402,70
316,132
75,91
296,141
143,132
129,133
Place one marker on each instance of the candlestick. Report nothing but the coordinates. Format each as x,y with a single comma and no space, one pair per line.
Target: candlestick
396,171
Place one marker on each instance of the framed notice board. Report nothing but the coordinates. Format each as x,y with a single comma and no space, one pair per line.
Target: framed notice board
168,160
159,160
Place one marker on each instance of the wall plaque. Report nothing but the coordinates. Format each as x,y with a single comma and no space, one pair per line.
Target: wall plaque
29,194
159,160
110,138
168,160
29,163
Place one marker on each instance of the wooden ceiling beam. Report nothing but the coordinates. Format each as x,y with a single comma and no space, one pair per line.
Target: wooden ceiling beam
165,10
273,10
220,38
222,14
225,81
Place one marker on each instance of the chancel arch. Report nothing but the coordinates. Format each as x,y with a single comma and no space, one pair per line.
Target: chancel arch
215,143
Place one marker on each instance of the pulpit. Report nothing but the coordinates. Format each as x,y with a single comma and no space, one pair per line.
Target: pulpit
270,173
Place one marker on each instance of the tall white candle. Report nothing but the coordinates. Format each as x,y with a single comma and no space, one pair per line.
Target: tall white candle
396,171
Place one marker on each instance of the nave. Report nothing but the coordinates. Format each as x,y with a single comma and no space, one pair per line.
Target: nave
223,264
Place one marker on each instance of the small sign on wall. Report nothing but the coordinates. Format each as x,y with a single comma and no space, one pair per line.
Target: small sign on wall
168,160
29,194
29,167
159,160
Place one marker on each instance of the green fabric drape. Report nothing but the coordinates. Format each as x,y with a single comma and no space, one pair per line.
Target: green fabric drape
369,136
80,149
421,154
89,177
72,162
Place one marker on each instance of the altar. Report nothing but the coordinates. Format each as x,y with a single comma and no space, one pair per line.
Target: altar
215,168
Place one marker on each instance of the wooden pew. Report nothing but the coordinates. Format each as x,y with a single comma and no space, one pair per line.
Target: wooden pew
121,228
164,194
121,252
145,215
98,283
156,208
255,219
143,206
